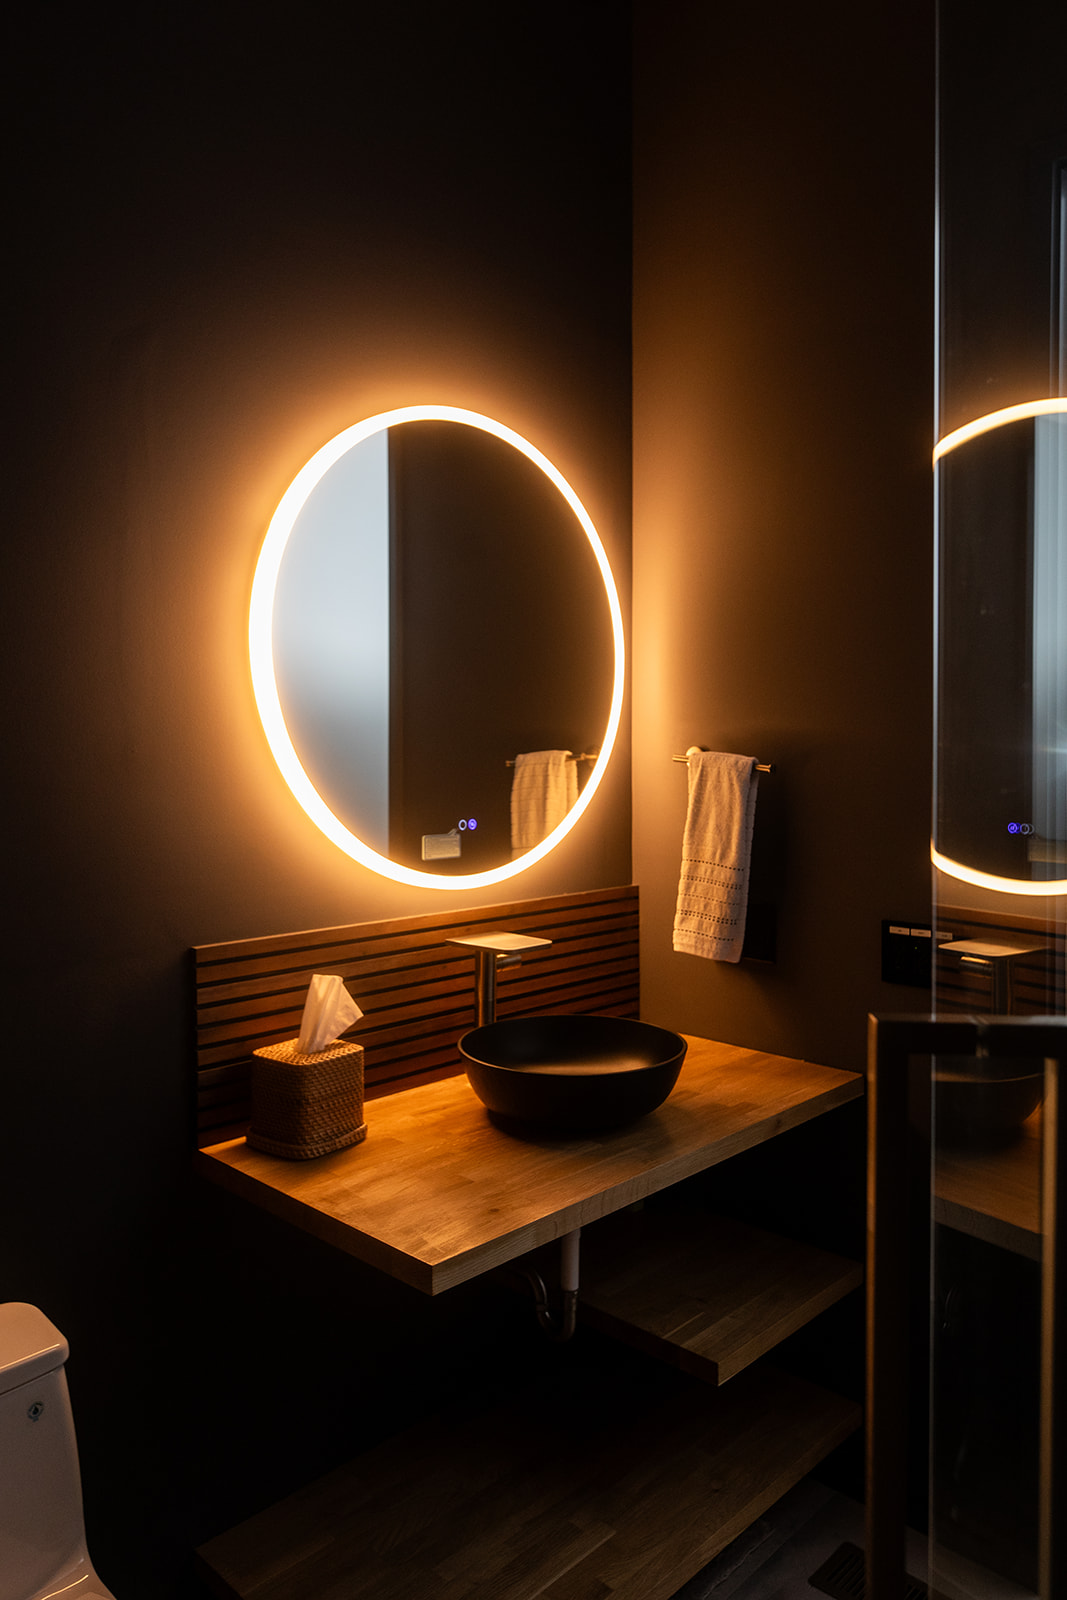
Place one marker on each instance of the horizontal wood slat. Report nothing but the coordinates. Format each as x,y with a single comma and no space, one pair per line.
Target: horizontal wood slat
226,1016
415,990
252,994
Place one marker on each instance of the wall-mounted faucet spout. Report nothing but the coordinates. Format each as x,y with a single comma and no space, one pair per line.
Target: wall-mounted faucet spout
493,950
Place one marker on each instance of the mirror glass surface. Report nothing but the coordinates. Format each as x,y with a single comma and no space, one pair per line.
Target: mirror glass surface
1001,789
437,604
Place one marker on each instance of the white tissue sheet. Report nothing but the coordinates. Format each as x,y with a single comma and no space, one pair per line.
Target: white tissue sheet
328,1010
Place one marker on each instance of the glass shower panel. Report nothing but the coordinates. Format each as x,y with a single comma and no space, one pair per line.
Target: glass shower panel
1000,802
1048,842
986,1320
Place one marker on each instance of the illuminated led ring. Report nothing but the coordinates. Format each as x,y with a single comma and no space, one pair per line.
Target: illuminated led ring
261,651
971,430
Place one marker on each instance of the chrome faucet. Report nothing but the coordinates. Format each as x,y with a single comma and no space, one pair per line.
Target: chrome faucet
493,950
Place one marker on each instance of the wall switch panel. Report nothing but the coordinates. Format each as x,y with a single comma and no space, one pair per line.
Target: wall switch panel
908,952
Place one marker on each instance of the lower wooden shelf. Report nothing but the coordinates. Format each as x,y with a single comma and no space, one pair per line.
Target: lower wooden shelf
708,1294
619,1482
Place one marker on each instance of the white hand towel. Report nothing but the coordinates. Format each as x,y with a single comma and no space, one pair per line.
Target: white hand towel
716,847
543,790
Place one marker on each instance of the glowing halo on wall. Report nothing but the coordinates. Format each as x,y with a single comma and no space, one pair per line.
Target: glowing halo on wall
261,647
950,442
997,419
990,880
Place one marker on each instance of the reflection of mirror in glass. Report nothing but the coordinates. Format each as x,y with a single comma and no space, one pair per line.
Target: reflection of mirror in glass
1001,753
432,601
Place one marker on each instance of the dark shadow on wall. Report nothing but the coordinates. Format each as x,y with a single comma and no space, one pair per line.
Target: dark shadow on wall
232,232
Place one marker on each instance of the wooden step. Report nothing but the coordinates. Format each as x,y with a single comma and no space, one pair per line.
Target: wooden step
705,1293
619,1482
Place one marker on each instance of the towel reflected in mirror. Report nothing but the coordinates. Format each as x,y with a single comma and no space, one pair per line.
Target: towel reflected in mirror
543,790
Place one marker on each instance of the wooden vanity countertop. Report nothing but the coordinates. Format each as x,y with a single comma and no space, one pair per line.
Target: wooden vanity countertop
436,1194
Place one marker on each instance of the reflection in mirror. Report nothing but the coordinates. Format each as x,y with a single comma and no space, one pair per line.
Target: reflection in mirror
431,602
1001,753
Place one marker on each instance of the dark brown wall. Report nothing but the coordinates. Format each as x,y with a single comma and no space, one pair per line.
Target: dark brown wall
235,230
782,525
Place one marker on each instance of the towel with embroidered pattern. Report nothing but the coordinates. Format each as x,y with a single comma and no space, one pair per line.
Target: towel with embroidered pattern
716,848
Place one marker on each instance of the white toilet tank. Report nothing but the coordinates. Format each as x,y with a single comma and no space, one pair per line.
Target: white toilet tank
42,1534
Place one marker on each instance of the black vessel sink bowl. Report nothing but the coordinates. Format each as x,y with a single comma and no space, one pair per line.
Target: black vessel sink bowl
571,1074
981,1102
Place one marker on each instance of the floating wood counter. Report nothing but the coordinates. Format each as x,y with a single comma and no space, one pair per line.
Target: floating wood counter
437,1195
603,1478
994,1195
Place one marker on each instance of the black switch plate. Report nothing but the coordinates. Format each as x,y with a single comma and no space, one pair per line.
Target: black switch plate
907,953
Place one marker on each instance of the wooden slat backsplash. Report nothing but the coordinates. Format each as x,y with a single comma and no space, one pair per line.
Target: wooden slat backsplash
1037,979
416,991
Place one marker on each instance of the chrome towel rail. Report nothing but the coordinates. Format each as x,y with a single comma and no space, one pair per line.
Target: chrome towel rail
761,766
586,755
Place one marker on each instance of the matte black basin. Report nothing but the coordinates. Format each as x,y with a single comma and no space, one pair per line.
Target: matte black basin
571,1074
982,1101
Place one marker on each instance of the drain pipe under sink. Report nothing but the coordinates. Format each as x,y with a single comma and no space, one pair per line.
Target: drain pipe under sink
559,1325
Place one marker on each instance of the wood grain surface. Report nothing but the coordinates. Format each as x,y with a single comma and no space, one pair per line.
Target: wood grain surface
602,1488
994,1195
437,1194
706,1293
415,989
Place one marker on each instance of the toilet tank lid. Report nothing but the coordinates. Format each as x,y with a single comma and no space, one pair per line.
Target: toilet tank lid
30,1345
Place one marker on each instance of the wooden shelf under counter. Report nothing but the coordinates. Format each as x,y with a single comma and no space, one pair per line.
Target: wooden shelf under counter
704,1293
618,1475
603,1487
437,1195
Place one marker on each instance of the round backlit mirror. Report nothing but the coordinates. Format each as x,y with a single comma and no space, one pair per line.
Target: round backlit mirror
1000,818
436,647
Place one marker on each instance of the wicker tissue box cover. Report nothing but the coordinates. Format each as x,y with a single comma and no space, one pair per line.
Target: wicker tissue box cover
307,1105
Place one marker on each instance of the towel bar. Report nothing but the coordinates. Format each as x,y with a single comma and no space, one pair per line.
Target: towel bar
586,755
761,766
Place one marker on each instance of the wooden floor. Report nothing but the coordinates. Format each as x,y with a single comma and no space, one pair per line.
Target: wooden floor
614,1485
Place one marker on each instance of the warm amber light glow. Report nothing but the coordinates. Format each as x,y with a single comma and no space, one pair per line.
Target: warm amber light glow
971,430
997,419
990,880
261,652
